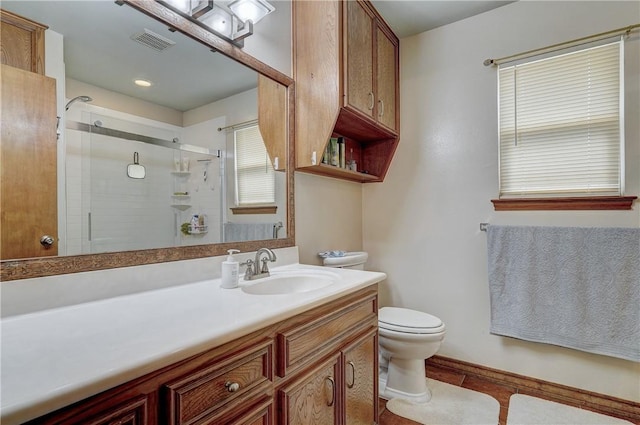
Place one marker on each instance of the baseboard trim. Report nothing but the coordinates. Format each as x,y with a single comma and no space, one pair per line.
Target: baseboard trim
596,402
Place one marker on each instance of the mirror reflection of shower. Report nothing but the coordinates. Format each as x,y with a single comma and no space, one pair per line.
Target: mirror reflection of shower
78,99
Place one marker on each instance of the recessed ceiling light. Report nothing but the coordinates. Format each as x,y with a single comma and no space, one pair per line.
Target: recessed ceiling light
142,83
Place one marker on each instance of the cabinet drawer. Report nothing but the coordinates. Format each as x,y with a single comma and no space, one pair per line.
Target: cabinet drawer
261,413
230,381
134,413
302,344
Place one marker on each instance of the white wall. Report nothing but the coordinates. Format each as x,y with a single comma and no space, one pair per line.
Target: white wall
421,226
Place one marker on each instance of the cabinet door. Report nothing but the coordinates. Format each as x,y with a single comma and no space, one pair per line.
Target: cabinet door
22,42
359,58
361,373
387,77
28,164
313,398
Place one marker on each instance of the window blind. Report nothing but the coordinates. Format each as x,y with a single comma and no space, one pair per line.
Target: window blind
560,124
255,179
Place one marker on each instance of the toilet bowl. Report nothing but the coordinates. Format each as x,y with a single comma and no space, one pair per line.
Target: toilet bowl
406,339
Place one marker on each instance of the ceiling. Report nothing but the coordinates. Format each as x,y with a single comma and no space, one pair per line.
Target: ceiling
98,49
410,17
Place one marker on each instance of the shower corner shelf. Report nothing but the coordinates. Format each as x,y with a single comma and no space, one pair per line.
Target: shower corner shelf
181,207
198,230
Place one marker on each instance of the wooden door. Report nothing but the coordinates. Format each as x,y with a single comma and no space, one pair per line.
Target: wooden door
361,375
28,164
312,399
387,79
359,58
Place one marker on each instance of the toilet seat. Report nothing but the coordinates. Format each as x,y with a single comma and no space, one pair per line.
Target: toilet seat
408,321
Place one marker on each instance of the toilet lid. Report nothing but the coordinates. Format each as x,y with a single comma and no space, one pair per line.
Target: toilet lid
350,258
408,321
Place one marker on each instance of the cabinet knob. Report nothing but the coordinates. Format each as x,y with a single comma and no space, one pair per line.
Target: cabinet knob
333,390
353,375
372,100
232,387
46,241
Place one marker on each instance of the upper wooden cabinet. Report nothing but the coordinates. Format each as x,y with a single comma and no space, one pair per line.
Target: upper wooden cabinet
272,116
346,68
22,42
371,65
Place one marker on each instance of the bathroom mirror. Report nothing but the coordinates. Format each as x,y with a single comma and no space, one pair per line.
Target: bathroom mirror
218,60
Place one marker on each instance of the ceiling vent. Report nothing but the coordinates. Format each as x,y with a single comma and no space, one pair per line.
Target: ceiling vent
152,40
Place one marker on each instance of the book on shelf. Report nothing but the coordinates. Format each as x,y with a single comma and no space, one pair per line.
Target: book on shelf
326,158
342,160
333,152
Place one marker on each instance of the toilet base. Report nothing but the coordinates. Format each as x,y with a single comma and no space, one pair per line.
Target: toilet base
404,379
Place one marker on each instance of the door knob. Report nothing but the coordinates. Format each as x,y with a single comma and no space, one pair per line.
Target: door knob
46,241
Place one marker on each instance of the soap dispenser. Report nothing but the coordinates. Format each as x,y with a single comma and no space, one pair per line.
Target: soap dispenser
230,270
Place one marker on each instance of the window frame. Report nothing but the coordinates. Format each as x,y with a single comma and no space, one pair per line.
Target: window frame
242,207
572,201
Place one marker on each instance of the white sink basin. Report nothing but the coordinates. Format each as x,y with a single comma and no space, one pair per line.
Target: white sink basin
290,282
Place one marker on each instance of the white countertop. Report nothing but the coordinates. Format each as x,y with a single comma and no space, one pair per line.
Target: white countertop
55,357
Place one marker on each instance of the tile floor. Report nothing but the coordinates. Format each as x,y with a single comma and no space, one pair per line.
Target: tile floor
499,392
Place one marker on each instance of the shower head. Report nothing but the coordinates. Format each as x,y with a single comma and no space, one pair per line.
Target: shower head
77,98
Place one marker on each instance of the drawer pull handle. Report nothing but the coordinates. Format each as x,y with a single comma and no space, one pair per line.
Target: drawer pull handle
232,387
333,390
353,375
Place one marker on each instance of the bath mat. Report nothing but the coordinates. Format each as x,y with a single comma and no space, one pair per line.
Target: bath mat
527,410
449,405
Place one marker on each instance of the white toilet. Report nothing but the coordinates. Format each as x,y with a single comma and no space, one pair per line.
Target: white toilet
406,339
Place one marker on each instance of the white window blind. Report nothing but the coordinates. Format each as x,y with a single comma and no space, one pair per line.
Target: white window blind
560,124
255,179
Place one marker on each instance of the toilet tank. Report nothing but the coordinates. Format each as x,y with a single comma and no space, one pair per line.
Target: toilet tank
351,260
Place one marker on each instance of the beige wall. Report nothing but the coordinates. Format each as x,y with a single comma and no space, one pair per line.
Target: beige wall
328,216
421,226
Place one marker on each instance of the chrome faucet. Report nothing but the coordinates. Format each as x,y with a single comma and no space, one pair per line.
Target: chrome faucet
253,271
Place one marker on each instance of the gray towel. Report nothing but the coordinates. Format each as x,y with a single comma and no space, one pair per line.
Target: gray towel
569,286
237,232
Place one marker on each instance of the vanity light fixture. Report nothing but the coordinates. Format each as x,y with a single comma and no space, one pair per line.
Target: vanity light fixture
220,19
253,10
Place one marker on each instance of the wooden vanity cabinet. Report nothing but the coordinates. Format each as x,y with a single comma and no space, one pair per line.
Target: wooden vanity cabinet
318,367
338,356
346,68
